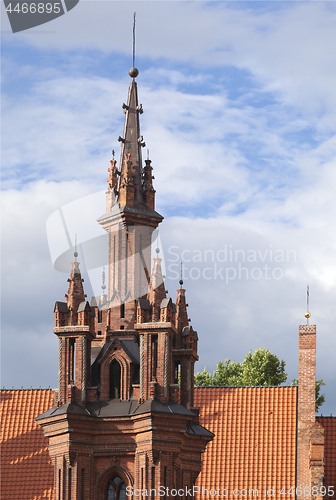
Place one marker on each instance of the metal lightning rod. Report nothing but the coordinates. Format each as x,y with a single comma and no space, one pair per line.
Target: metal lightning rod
307,315
134,40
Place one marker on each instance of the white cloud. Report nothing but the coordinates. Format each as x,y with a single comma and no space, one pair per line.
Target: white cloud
255,169
288,46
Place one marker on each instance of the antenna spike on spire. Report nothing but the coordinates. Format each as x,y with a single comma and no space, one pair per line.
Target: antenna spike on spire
134,39
307,315
181,280
75,252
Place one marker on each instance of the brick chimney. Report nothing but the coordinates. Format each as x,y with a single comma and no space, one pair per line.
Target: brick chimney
310,433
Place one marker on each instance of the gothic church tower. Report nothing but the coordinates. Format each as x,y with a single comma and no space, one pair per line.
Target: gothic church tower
124,419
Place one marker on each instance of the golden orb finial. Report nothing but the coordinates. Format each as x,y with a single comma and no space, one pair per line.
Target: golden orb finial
307,315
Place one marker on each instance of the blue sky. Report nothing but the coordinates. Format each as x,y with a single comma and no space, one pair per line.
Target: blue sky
239,118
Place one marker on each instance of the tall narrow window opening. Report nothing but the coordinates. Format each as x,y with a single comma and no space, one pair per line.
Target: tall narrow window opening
177,373
140,264
59,483
115,375
165,480
154,352
72,345
114,260
100,316
64,479
126,269
82,483
122,310
153,484
69,483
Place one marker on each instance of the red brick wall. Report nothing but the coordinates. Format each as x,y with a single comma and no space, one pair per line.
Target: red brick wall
310,434
306,400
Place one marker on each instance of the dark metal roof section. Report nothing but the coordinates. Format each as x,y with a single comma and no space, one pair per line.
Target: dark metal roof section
66,409
94,353
185,331
61,307
131,348
112,408
144,304
143,211
198,429
158,406
102,351
115,407
139,210
83,305
164,303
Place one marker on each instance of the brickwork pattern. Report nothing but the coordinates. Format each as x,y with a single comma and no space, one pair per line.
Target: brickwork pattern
329,427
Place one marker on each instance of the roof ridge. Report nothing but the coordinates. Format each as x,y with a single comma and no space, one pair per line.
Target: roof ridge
4,389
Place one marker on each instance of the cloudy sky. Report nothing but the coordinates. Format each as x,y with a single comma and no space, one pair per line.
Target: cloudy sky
240,123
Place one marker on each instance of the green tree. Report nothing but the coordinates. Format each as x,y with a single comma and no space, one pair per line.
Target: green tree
260,368
204,379
227,373
263,368
319,398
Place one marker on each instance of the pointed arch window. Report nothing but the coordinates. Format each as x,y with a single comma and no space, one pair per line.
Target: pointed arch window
115,376
100,316
116,489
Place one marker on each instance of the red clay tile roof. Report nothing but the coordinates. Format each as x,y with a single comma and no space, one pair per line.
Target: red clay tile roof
253,447
26,469
255,439
329,425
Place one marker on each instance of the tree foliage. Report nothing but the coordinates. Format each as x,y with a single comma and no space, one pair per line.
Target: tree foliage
262,368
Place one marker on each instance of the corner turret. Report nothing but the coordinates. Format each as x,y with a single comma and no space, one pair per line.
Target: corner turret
73,327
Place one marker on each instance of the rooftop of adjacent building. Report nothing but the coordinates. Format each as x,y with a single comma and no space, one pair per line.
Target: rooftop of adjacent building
254,427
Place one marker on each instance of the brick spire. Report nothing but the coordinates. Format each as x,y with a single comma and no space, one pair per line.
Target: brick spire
130,218
157,288
75,293
132,141
182,319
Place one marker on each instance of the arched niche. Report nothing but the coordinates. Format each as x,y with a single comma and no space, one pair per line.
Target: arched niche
115,379
114,478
